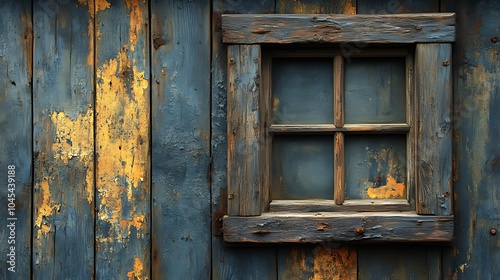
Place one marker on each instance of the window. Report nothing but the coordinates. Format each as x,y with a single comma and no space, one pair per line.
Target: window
343,142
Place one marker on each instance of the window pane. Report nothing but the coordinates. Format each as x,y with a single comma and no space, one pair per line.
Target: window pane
302,90
302,167
375,90
375,166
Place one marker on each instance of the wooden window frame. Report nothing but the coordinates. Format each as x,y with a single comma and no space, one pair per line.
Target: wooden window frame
249,218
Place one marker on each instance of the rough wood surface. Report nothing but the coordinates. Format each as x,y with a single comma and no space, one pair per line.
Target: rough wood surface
324,28
476,134
397,6
181,139
244,130
338,91
63,114
338,166
15,137
356,205
338,227
230,263
330,128
433,88
122,140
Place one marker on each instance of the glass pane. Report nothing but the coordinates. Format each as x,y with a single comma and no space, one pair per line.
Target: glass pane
302,90
375,90
302,167
375,166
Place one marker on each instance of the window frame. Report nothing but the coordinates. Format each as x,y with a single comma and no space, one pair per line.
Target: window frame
248,217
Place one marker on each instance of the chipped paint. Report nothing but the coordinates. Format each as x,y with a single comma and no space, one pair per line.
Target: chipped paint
334,263
74,140
138,271
47,208
122,105
95,5
349,8
392,189
136,21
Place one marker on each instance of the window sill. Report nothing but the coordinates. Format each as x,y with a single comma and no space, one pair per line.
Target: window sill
276,227
351,205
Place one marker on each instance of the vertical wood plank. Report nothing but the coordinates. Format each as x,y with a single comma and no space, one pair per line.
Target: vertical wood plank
15,137
397,6
476,133
63,112
338,90
321,261
243,126
315,7
181,137
399,262
227,262
433,88
122,140
339,178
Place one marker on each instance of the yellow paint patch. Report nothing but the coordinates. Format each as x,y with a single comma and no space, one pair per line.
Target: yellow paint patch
123,128
95,5
349,8
334,263
75,140
392,189
136,21
138,271
47,208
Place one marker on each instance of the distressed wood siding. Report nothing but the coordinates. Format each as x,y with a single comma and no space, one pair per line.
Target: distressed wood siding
114,113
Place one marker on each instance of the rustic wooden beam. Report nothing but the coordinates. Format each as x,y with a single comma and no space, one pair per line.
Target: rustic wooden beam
243,129
338,227
325,128
325,28
352,205
434,159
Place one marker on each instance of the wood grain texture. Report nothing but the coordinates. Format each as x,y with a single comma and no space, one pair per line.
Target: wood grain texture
181,139
324,28
273,228
328,261
397,6
330,128
122,140
230,263
338,166
244,130
433,88
338,91
399,262
63,229
476,134
315,7
16,43
352,205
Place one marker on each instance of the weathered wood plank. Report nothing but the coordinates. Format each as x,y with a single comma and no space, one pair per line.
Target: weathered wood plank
476,134
338,91
315,7
338,227
16,53
399,262
122,140
433,88
230,263
330,128
356,205
63,230
338,166
243,126
324,28
397,6
180,140
327,261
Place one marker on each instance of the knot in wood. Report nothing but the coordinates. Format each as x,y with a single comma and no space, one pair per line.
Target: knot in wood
359,231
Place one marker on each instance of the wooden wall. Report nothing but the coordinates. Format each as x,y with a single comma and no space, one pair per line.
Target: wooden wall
114,115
